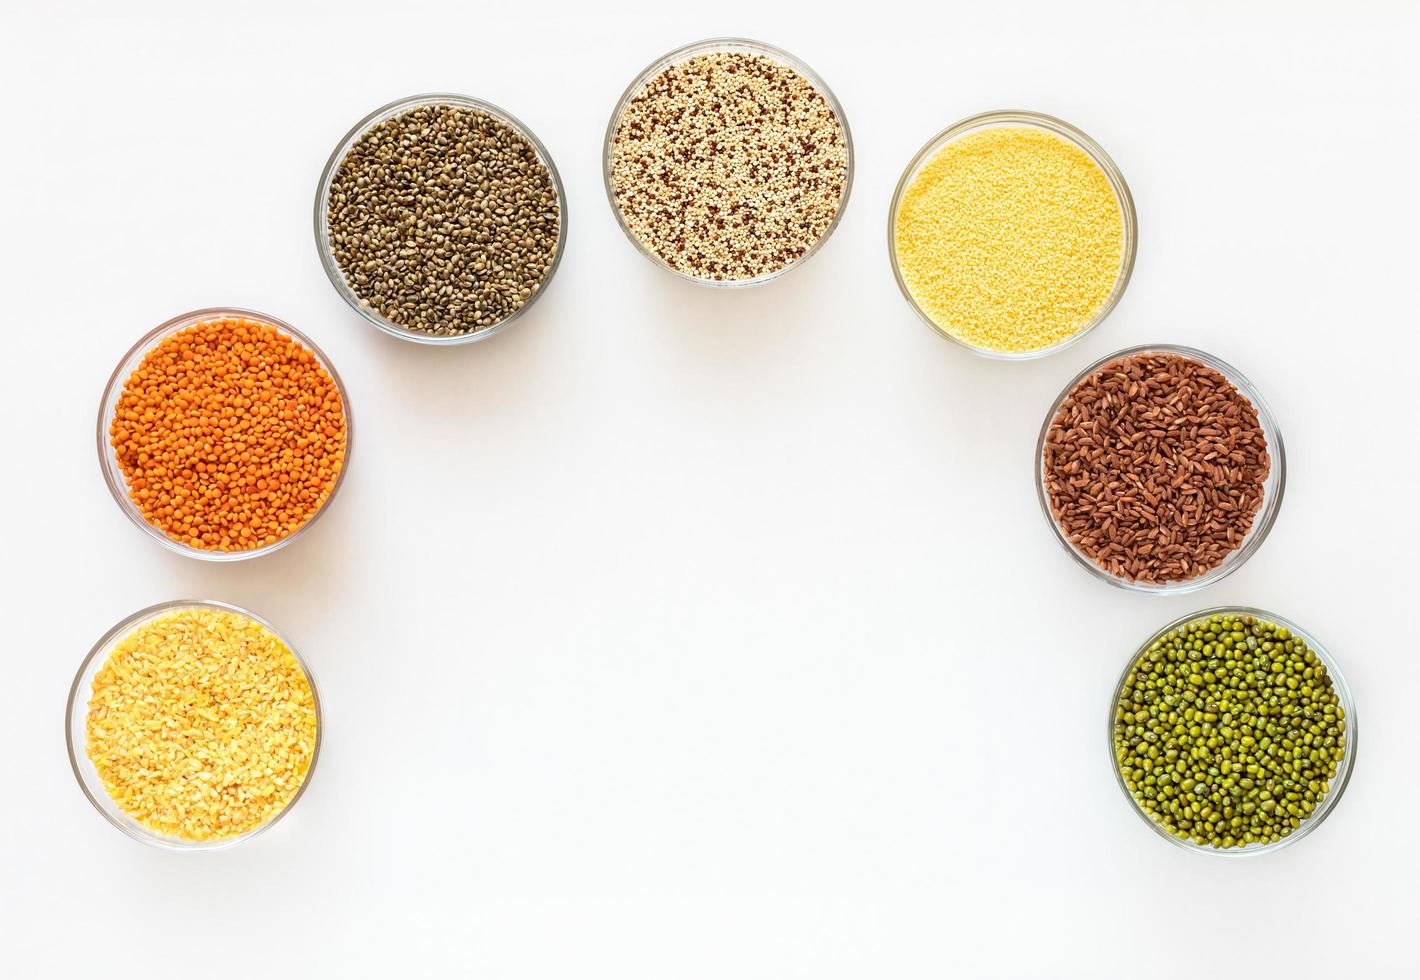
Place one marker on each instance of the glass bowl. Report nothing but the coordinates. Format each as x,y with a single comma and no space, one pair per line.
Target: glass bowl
1035,120
108,459
1343,768
1272,487
733,45
76,737
322,228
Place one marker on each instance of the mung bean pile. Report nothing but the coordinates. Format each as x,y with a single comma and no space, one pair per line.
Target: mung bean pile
729,166
1154,467
201,724
1010,239
443,219
1228,731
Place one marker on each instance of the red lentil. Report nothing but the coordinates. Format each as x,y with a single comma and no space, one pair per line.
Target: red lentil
230,435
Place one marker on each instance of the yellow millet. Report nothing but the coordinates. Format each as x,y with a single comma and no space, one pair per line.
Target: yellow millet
1010,238
202,724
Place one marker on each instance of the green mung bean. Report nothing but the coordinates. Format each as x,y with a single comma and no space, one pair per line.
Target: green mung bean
1228,731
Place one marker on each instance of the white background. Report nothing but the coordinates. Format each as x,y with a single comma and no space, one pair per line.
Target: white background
679,633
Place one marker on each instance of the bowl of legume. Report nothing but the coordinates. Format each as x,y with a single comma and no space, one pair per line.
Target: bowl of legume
1232,732
1012,234
728,162
224,434
193,725
1160,469
440,219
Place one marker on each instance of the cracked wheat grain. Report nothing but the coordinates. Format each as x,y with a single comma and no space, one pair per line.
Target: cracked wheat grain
201,724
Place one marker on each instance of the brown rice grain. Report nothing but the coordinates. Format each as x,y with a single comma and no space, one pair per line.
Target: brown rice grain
1154,467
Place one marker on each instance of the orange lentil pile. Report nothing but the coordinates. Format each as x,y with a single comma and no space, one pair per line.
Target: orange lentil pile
230,435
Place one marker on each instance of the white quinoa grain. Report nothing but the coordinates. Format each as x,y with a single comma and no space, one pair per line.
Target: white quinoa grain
729,166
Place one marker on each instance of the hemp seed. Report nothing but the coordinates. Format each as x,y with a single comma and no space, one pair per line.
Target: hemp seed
443,219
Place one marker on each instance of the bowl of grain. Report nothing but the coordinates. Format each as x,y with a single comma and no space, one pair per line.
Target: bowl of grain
1160,469
728,162
193,725
224,434
1232,732
440,219
1012,234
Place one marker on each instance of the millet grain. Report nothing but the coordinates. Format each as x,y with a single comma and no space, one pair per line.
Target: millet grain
1010,239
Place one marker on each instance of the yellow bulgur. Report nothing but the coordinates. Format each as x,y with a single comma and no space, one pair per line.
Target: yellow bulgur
202,724
1010,238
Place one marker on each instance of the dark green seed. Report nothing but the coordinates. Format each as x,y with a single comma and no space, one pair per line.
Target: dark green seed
1254,749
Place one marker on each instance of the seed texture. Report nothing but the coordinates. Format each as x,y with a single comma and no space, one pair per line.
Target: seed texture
1229,731
230,435
201,724
729,166
1154,467
443,219
1010,239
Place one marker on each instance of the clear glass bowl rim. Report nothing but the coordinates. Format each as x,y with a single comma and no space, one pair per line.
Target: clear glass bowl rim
751,46
1039,120
128,825
327,177
1343,769
1261,523
108,464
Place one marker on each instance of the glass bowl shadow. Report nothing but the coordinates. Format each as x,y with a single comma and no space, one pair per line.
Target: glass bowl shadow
1272,488
322,225
1058,127
1343,768
77,712
108,460
739,45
